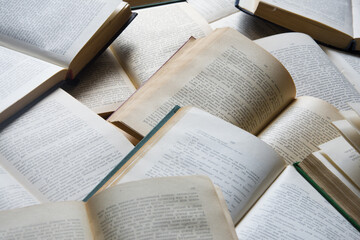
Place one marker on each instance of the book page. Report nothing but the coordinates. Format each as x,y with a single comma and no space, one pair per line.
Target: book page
356,17
103,86
154,36
57,31
225,74
63,220
252,27
238,162
347,63
335,14
298,130
312,71
61,148
213,10
12,194
344,157
19,76
293,209
163,208
328,163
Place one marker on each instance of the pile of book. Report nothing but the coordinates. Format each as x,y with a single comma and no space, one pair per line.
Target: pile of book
183,120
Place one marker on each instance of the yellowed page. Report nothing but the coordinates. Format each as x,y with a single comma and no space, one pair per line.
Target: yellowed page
352,117
344,157
59,149
171,208
313,72
12,193
293,209
103,85
350,133
225,74
304,125
191,144
63,220
154,36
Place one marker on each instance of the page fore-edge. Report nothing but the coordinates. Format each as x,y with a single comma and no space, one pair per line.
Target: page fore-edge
326,196
132,152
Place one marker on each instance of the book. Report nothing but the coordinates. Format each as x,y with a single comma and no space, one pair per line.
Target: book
56,150
164,208
138,4
242,165
318,72
332,187
40,50
224,75
333,23
156,34
153,37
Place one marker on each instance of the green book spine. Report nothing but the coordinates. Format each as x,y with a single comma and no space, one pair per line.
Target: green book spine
132,152
326,196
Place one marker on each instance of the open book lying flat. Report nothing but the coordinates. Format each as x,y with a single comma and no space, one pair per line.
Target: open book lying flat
44,42
334,171
151,39
244,167
231,77
56,150
163,208
332,22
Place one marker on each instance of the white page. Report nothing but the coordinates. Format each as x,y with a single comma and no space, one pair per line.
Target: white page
325,160
54,30
103,85
12,193
345,157
312,71
356,17
301,128
154,36
63,220
61,148
336,14
19,75
293,209
213,10
161,208
238,162
347,63
250,26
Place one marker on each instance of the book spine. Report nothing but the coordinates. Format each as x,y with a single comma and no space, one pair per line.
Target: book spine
326,196
132,152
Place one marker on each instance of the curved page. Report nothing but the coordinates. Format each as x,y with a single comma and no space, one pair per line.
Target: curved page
195,142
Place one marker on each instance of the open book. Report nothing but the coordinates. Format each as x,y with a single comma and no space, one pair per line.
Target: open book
45,42
151,39
331,22
163,208
231,77
56,150
242,165
319,72
334,170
